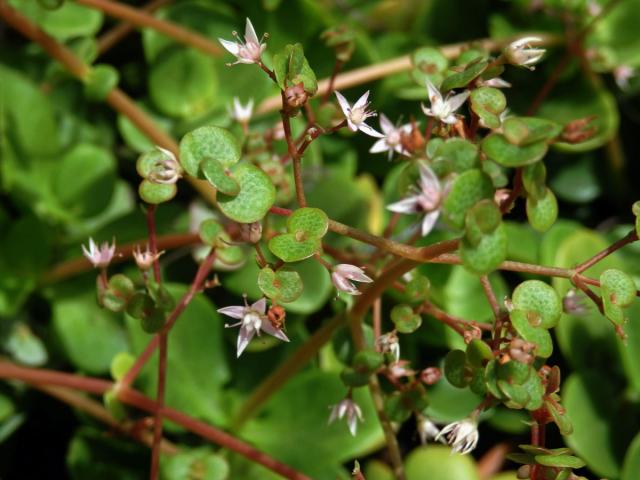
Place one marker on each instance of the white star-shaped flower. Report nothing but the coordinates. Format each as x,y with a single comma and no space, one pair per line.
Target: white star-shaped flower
357,114
443,108
253,319
521,53
462,436
241,113
392,140
343,274
101,256
427,199
351,410
249,51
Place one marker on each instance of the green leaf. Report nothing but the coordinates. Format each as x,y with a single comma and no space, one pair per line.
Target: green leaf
212,233
289,249
542,213
100,81
440,464
208,142
291,68
589,400
534,179
523,131
567,461
25,347
463,78
286,436
183,82
405,319
540,298
478,352
455,369
283,286
311,222
522,322
487,255
156,193
428,64
631,465
89,335
197,359
466,190
68,21
256,196
218,177
488,103
618,288
120,365
202,462
85,180
453,155
498,149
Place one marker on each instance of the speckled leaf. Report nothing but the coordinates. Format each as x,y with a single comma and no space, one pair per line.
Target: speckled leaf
428,64
539,297
498,149
455,369
282,286
542,213
288,248
467,189
488,103
312,222
208,142
218,177
155,193
256,196
537,335
405,319
487,255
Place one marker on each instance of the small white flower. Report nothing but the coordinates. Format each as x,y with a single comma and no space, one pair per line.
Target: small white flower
357,114
462,436
166,170
427,430
344,273
351,410
495,82
101,256
249,51
388,343
427,200
253,319
392,140
241,113
521,53
443,108
145,259
622,74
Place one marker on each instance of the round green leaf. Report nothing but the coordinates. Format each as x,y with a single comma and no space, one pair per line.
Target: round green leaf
405,319
467,189
25,347
455,369
488,103
542,213
312,222
201,462
487,255
617,287
120,365
208,142
289,249
219,177
418,288
100,81
85,180
428,64
211,232
524,131
539,336
436,462
534,179
498,149
478,352
453,155
256,196
69,21
541,298
155,193
282,286
183,82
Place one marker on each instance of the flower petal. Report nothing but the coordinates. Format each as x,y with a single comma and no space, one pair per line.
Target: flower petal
385,124
260,305
250,33
352,272
232,47
429,221
344,105
456,101
380,146
434,93
364,128
406,205
362,101
273,331
244,337
233,312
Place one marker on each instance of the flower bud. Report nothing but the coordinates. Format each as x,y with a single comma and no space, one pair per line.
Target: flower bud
296,96
251,232
522,54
